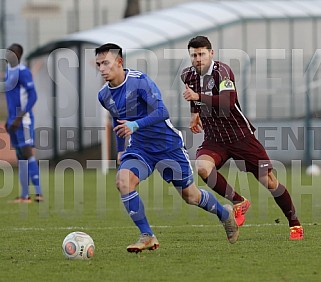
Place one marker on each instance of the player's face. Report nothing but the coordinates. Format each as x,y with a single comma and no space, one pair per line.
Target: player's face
110,66
201,59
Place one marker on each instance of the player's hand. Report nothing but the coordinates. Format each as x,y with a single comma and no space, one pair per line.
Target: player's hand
190,95
125,128
15,124
196,123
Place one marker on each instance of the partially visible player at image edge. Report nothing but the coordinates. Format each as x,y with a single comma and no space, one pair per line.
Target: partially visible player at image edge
21,96
137,109
210,88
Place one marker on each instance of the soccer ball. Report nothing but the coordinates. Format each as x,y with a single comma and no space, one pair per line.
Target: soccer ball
313,170
78,245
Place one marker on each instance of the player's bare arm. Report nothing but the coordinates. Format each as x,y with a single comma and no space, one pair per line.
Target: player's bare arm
196,123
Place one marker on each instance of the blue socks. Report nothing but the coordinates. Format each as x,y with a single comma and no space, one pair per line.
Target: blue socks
209,203
33,170
135,208
24,178
28,169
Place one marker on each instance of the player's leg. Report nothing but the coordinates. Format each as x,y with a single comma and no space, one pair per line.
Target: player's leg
22,139
23,178
284,201
22,171
184,183
131,172
206,169
207,201
206,163
258,163
33,170
27,151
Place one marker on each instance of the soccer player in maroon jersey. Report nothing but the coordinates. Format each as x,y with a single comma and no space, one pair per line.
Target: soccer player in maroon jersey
210,88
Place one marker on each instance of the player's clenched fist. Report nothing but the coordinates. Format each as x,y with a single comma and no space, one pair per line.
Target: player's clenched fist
189,94
196,123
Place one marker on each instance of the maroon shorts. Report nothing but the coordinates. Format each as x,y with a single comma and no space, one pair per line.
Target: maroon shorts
248,153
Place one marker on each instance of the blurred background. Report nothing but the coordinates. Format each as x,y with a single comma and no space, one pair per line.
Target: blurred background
273,47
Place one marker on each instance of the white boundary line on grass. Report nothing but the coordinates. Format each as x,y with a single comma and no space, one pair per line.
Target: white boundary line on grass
131,227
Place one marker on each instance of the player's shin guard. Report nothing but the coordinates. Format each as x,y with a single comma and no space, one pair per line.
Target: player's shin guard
34,174
209,203
135,208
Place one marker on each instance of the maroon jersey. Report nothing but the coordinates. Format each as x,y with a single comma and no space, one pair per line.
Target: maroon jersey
218,106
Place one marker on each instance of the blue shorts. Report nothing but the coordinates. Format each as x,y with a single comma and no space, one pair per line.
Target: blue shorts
173,166
23,136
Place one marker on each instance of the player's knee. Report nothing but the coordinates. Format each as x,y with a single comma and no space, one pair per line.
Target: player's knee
203,168
126,181
122,184
202,171
269,181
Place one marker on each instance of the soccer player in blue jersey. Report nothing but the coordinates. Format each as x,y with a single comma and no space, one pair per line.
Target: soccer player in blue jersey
21,97
135,104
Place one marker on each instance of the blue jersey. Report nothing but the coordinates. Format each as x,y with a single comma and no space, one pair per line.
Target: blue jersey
139,99
20,94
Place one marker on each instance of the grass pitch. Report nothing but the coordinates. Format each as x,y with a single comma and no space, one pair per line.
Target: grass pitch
193,245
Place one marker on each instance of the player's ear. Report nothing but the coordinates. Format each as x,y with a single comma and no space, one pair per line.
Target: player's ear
120,61
212,53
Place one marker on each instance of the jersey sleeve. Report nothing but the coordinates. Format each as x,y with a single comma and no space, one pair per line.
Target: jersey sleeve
184,73
26,81
101,99
156,109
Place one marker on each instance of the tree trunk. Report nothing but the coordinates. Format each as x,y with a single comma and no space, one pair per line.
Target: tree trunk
132,8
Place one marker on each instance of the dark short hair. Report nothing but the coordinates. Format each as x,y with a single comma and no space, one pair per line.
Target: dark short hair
16,48
109,47
199,42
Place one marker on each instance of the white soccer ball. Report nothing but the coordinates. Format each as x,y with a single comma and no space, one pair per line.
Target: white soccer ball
313,170
78,245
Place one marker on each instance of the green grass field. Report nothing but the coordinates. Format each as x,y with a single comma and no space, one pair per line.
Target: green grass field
193,246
